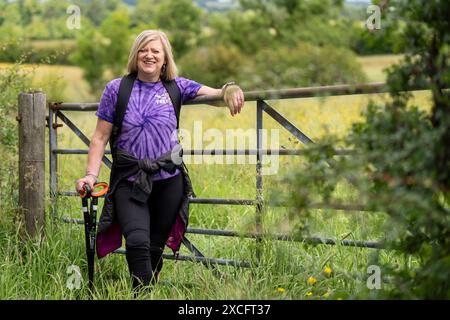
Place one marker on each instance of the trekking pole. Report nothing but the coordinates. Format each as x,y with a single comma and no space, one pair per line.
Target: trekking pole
90,222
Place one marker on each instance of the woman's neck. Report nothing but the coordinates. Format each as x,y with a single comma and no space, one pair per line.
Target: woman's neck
145,77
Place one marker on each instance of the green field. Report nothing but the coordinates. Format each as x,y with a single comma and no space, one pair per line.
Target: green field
60,83
38,271
374,66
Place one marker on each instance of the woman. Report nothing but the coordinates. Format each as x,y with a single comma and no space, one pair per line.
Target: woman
147,220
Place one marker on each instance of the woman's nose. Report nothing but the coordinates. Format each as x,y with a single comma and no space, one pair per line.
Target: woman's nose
149,56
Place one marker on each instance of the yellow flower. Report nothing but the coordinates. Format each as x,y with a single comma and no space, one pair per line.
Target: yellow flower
312,281
280,290
309,294
328,271
326,294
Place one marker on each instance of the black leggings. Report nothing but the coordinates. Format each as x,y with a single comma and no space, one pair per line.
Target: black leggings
146,226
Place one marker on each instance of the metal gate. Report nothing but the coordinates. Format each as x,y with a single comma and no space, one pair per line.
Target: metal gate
56,111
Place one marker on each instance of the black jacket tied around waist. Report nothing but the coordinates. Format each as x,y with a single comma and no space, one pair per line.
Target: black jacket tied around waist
126,165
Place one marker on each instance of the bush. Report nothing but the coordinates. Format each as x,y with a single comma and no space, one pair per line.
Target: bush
45,51
13,80
272,68
51,51
306,65
213,66
382,41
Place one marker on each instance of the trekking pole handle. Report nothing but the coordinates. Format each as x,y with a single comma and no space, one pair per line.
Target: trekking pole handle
99,190
85,192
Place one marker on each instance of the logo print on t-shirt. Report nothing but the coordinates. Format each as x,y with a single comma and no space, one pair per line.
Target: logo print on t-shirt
162,98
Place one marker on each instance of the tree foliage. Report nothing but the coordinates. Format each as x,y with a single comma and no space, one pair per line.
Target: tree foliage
90,57
13,80
402,161
181,19
295,37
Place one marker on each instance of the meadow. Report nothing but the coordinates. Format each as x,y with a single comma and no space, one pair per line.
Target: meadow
285,269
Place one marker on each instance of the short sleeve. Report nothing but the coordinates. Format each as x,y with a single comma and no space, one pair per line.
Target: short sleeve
106,108
188,88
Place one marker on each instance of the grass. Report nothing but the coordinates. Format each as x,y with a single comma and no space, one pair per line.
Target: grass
375,65
52,43
38,269
60,83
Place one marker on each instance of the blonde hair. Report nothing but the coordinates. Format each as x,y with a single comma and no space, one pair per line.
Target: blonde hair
141,41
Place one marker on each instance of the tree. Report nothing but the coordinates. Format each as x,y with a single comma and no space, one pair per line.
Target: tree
116,29
402,165
90,55
215,65
97,10
315,21
246,30
105,49
145,12
181,19
27,9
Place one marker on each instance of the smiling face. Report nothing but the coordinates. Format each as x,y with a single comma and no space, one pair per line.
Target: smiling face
150,60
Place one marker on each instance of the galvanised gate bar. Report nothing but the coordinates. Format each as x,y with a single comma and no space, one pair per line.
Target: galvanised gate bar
56,111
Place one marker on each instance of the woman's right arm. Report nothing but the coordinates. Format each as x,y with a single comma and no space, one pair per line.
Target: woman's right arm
96,151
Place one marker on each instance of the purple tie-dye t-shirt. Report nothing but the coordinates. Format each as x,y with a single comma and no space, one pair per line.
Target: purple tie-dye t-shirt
149,125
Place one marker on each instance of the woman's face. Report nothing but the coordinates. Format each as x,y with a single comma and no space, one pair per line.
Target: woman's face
151,58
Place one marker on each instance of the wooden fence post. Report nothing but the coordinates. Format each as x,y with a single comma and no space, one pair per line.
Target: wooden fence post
32,160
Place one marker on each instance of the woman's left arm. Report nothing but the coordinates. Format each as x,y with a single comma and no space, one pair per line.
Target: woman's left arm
231,93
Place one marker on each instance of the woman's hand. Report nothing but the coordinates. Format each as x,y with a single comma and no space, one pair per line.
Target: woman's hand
89,179
234,98
231,93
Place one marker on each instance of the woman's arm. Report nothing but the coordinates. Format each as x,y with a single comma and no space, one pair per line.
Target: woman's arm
208,91
232,95
96,151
